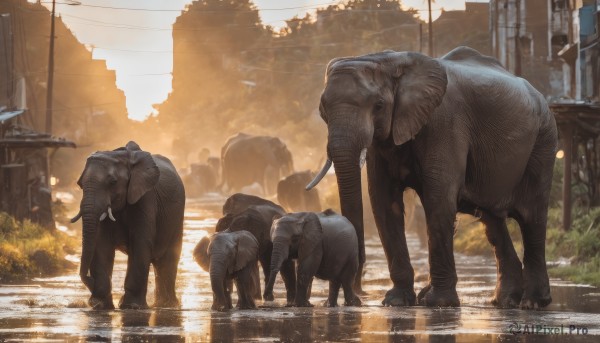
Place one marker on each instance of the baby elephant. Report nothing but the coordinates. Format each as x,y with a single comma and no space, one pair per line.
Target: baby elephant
325,245
230,256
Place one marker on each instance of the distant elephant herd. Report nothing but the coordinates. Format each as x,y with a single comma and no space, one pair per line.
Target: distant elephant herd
461,131
259,165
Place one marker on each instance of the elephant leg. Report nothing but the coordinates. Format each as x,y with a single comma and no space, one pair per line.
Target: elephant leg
101,270
334,290
440,212
288,274
165,270
136,278
228,287
245,285
307,269
265,263
388,211
347,277
536,290
509,283
256,281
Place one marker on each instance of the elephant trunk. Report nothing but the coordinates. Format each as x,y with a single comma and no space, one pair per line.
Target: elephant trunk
279,255
348,155
218,272
91,214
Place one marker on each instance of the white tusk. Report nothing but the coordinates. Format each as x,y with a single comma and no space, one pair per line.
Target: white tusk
110,215
319,176
363,158
103,216
76,218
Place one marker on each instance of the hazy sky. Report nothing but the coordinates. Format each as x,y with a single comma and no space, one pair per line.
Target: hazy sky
138,43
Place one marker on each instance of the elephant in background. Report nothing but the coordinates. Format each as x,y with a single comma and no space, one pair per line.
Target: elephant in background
201,180
292,195
254,214
250,159
143,197
325,246
238,202
230,256
467,136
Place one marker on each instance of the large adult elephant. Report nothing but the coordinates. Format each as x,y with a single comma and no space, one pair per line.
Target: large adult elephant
251,159
143,197
467,136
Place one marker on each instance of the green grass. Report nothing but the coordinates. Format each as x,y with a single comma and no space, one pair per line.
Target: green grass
28,250
580,245
470,238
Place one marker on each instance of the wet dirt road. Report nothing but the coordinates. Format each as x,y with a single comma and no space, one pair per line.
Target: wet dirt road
51,309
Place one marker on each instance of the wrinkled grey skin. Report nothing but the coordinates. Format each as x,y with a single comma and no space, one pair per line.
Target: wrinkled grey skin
468,137
230,256
325,245
147,199
257,219
248,159
292,195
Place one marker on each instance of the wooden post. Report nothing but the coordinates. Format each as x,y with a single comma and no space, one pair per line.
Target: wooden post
567,139
430,31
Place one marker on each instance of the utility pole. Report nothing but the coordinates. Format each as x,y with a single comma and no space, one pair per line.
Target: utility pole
518,38
430,30
50,73
420,37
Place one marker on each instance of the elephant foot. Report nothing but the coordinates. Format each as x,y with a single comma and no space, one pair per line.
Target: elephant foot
131,303
330,303
432,297
354,302
507,295
399,297
101,304
220,307
536,294
246,306
535,301
268,297
304,303
167,303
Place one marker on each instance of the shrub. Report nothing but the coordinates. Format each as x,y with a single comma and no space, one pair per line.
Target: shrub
28,250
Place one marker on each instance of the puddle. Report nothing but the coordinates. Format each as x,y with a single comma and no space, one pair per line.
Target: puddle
53,309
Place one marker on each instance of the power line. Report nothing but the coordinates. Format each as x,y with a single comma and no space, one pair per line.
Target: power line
200,10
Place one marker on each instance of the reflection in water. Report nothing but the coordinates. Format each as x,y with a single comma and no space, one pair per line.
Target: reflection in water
402,328
43,311
443,324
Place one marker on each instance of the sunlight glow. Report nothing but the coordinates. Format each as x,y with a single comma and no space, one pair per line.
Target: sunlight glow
141,58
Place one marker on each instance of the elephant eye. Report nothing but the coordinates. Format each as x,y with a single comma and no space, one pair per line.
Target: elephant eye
379,105
112,181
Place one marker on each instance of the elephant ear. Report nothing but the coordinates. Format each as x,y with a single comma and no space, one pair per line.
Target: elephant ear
144,172
420,89
246,250
249,220
312,236
201,253
224,222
